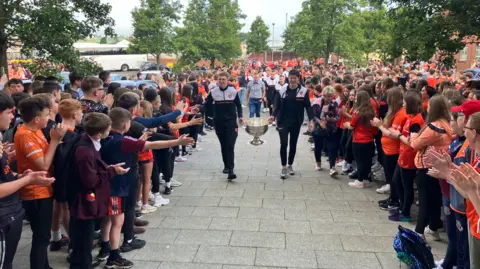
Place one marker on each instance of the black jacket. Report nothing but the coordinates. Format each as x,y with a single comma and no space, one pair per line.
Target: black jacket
290,105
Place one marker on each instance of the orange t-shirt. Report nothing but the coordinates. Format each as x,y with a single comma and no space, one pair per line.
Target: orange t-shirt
362,134
389,145
472,214
406,158
375,106
29,146
425,106
432,82
187,104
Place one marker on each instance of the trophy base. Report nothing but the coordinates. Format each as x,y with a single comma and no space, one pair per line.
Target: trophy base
256,141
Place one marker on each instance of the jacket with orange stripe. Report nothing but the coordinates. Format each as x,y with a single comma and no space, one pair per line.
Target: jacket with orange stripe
437,134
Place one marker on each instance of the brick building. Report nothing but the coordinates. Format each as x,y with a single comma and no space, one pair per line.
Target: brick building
468,57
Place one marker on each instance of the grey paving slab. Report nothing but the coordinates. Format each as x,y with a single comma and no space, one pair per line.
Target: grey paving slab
261,213
224,193
175,211
209,185
347,260
347,216
199,201
186,223
364,206
367,243
285,226
187,192
235,224
241,202
146,265
314,242
281,203
226,255
223,212
336,228
246,185
263,194
258,239
323,188
249,267
283,186
305,195
167,252
202,237
159,235
328,205
286,257
315,214
223,178
179,265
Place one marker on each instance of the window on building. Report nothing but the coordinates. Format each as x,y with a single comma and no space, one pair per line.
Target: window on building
464,54
478,52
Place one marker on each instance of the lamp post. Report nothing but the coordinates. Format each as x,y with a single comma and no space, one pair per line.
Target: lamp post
273,38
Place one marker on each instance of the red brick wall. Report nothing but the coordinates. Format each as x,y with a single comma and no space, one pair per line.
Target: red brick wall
471,58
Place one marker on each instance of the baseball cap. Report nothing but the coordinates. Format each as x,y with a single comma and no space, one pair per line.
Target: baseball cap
468,108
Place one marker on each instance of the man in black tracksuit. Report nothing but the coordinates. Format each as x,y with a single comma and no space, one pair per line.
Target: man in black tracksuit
226,105
290,104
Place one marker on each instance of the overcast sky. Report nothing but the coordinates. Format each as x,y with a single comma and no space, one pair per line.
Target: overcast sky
272,11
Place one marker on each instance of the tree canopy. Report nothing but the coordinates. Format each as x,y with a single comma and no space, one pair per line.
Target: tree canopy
211,30
257,39
153,27
51,27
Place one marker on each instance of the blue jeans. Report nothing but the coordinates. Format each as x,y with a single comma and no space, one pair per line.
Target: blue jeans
254,106
463,254
242,95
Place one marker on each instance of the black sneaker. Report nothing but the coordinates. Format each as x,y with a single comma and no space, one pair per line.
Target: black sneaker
57,245
307,133
134,244
225,170
138,214
383,206
203,133
103,255
119,263
348,171
167,191
353,175
310,139
393,206
231,175
382,202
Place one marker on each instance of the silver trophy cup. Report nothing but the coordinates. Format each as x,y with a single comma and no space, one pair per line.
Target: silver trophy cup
256,127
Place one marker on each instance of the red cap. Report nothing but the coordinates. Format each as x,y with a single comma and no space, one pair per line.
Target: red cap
468,108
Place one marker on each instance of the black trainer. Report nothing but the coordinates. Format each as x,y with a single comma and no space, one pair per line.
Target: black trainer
225,170
353,175
167,191
57,245
134,244
203,133
393,205
231,175
118,263
103,255
383,201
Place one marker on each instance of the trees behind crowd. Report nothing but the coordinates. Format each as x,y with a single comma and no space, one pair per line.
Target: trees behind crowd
50,27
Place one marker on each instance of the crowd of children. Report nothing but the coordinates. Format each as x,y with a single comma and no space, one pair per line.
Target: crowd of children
95,158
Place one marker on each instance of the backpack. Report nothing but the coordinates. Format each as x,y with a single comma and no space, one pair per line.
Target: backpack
63,159
412,250
9,134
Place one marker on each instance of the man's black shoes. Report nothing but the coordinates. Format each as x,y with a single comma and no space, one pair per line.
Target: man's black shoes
231,175
225,170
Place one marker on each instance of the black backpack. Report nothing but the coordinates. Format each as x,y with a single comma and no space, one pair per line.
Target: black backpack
63,159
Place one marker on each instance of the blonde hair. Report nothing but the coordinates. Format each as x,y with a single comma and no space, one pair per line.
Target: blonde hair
147,108
329,90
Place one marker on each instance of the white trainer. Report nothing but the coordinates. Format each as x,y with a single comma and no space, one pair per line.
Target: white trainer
357,184
340,164
147,209
385,189
175,183
159,200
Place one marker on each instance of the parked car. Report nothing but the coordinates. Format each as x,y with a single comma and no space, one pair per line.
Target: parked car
153,66
136,83
475,71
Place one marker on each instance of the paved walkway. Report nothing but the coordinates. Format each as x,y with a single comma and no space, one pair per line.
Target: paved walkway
260,221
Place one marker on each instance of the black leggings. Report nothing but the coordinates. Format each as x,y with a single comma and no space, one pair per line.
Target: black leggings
130,202
363,156
389,164
346,144
182,132
10,236
193,132
405,190
430,202
378,144
331,145
284,143
163,164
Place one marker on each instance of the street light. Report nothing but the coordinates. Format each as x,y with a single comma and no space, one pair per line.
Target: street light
273,38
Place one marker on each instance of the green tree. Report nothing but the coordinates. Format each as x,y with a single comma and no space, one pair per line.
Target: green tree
153,27
211,30
103,40
257,40
321,27
424,27
51,27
